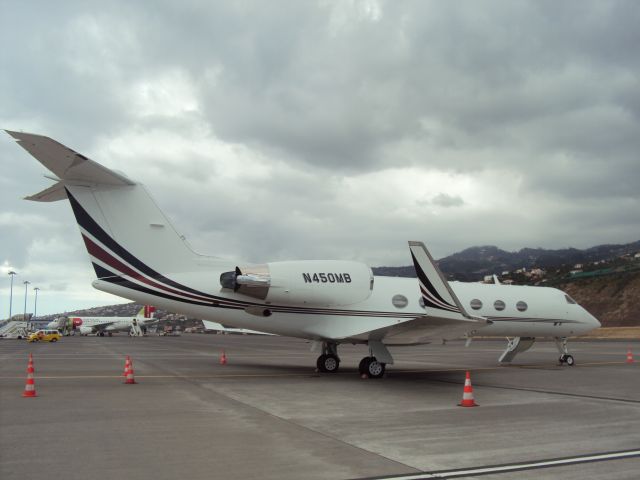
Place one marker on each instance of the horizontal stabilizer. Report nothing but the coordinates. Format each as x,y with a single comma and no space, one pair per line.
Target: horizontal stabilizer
52,194
71,167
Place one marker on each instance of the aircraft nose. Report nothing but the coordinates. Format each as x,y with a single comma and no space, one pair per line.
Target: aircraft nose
592,320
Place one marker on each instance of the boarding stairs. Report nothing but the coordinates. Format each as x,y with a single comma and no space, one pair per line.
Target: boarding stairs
135,331
14,329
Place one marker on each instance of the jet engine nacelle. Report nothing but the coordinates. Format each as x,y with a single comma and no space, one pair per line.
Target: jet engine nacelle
86,330
308,282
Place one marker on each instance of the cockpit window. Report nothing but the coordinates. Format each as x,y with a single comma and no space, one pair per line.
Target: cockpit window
569,299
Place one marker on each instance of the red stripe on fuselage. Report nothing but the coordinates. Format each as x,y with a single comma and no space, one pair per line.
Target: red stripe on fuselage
113,262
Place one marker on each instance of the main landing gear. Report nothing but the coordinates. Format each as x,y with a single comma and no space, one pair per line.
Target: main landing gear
561,343
328,362
371,367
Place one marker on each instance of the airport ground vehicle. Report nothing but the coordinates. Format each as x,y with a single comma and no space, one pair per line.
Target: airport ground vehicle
45,336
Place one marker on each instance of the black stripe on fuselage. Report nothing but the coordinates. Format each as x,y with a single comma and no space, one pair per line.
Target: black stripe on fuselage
91,226
110,277
123,282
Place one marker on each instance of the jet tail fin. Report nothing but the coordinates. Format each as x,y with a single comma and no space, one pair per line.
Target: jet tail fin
147,311
126,234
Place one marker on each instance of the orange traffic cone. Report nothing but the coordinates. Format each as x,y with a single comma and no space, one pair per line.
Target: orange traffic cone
30,386
629,356
467,396
223,358
127,364
129,373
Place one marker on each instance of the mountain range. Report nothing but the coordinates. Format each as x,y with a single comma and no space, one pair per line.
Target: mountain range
474,263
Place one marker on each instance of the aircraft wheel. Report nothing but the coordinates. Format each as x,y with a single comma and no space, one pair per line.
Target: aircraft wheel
569,360
561,360
364,364
320,363
328,363
371,367
376,369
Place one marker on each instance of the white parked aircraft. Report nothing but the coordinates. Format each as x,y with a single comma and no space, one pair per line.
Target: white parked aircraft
107,325
137,254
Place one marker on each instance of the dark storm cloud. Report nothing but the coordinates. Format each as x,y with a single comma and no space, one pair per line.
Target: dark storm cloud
279,130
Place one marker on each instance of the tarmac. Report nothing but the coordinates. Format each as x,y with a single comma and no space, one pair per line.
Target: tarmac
268,414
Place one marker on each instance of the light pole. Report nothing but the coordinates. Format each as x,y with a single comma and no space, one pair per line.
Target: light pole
24,317
13,274
35,303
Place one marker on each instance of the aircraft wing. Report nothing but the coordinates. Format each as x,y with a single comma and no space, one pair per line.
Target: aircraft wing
209,325
425,329
101,327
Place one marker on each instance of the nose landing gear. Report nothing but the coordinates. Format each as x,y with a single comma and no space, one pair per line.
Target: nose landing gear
568,359
561,343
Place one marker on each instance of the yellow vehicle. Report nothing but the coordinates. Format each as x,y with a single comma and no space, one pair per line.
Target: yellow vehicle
45,336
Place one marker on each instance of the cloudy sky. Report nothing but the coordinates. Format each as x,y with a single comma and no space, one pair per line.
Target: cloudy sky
324,129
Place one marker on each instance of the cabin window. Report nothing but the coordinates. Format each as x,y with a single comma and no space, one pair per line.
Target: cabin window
569,299
498,305
521,306
476,304
399,301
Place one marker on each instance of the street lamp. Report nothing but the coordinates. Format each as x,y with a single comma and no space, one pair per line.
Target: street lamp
24,317
35,303
13,274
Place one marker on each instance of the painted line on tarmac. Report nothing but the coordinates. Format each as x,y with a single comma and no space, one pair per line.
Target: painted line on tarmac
546,392
343,373
515,467
232,375
311,373
502,367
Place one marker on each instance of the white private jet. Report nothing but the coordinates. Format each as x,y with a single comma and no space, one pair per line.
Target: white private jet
102,326
137,254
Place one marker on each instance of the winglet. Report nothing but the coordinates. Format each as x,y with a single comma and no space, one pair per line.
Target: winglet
438,297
